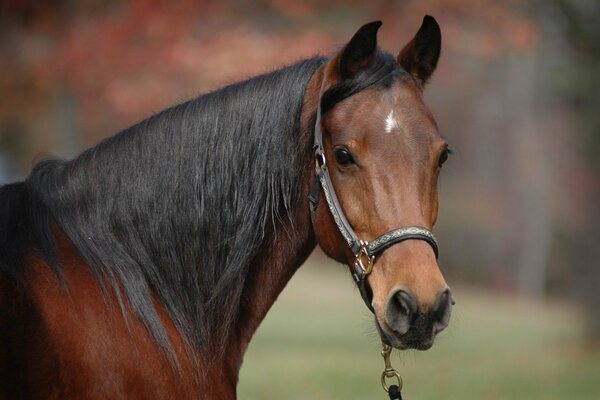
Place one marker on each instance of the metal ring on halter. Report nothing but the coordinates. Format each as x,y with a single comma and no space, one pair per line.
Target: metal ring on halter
360,261
320,160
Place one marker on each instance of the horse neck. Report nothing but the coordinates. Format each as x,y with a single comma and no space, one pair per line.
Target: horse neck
287,250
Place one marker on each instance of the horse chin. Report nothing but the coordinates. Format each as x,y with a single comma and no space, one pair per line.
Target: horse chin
409,340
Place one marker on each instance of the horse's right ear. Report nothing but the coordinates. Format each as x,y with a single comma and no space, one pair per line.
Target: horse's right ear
359,51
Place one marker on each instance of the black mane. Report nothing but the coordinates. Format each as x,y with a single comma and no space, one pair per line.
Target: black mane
179,204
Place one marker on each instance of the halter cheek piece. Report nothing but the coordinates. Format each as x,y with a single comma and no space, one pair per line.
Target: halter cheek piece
364,252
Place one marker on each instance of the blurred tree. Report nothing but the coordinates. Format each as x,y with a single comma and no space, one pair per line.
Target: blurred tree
581,88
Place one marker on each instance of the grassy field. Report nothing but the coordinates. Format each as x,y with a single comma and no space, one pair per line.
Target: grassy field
318,342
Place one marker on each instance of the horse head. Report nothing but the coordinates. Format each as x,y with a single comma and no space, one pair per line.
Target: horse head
382,153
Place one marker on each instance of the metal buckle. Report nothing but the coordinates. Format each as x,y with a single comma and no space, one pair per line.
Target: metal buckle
320,159
363,261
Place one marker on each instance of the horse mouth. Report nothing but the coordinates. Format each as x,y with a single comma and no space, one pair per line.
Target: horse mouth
418,337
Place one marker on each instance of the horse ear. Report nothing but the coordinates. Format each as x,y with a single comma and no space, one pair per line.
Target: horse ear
420,56
360,50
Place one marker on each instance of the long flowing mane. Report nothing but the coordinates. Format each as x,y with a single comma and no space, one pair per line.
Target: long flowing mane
175,207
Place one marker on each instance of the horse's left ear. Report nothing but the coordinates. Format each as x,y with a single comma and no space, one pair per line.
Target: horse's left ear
420,56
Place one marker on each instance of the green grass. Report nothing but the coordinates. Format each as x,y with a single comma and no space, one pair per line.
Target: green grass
319,342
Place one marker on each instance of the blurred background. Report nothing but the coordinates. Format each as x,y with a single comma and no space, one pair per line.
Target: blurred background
517,95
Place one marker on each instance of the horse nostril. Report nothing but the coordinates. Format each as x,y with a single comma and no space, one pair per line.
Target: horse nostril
401,311
441,311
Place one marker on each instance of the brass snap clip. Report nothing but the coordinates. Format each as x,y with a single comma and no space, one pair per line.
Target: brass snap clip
389,372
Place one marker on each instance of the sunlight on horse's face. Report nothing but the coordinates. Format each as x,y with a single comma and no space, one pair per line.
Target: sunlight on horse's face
396,148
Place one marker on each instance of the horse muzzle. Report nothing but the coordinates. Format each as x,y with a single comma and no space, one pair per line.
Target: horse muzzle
405,325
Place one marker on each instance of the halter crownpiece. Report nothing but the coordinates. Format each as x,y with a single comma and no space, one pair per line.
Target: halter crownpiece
364,252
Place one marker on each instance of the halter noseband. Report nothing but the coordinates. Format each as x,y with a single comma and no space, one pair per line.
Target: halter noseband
364,252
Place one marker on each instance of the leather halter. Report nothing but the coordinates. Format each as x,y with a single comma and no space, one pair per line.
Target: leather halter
364,252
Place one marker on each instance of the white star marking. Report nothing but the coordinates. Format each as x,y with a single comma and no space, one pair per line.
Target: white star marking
390,122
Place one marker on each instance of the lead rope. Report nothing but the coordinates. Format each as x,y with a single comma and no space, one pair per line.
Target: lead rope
393,390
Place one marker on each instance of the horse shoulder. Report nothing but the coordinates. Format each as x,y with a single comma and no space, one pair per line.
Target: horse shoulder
63,338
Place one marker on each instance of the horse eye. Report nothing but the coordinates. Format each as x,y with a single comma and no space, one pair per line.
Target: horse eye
444,156
343,156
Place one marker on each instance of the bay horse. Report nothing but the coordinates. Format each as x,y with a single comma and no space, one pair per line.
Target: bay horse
142,267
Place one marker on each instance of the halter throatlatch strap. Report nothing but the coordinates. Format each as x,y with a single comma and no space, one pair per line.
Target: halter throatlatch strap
363,251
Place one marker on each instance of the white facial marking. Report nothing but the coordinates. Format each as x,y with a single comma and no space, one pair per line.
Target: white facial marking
390,122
